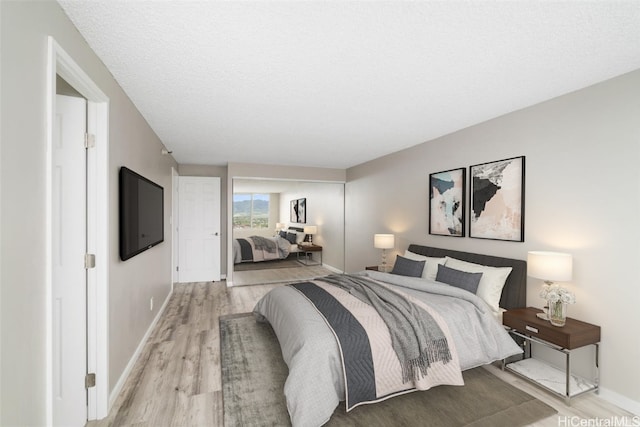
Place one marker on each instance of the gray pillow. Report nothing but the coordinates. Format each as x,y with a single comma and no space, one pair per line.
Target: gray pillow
459,279
291,237
407,267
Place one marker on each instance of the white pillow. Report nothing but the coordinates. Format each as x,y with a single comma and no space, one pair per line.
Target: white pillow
491,283
430,266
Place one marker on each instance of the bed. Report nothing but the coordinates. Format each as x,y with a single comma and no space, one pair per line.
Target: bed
258,248
346,352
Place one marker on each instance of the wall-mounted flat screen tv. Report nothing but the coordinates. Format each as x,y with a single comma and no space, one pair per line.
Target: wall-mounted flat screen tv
141,214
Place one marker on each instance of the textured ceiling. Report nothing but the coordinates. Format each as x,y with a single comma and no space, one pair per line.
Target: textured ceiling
337,83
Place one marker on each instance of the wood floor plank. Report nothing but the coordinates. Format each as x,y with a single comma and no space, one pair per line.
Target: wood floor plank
201,370
199,410
177,379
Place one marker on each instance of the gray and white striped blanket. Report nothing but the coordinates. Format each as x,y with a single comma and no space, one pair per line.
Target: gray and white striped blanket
376,326
316,382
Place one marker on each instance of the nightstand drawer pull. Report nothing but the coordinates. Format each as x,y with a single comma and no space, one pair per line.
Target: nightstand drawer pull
531,329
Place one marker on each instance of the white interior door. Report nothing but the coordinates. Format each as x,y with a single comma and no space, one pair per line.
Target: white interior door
69,243
199,229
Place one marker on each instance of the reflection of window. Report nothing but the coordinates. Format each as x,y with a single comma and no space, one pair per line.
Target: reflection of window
250,211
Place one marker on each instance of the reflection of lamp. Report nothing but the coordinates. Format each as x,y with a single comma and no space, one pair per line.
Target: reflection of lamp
550,266
384,242
310,230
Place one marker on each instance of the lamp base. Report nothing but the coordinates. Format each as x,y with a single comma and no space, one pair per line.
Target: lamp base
384,268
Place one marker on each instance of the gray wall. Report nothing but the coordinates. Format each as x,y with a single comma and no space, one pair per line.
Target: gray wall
24,30
259,171
582,196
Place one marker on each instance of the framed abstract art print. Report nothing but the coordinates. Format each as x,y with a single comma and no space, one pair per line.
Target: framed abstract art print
497,200
446,203
298,211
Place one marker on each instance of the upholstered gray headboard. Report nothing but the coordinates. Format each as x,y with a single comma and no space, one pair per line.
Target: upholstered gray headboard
514,293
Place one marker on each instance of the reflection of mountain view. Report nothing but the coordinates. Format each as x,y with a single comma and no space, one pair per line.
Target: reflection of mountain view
242,214
260,207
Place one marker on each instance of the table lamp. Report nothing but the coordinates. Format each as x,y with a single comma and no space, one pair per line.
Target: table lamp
384,242
310,230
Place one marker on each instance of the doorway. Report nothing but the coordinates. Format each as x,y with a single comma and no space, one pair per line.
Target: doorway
93,350
199,229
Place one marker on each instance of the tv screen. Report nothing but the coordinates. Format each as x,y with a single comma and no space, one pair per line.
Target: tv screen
141,214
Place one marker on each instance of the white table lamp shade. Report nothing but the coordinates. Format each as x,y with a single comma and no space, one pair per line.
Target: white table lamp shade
550,266
310,229
280,225
383,241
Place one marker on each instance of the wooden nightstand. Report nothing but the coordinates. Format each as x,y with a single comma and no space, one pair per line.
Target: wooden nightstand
372,268
307,251
524,323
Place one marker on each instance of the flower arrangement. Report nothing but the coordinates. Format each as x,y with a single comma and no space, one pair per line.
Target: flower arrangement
557,298
554,294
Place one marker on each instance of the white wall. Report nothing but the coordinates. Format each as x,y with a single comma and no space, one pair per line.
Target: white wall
582,196
25,27
325,209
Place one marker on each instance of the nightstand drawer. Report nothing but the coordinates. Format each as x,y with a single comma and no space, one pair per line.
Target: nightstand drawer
540,329
573,334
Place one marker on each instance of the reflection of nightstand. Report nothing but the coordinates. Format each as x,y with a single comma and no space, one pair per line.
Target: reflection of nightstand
524,323
307,251
388,268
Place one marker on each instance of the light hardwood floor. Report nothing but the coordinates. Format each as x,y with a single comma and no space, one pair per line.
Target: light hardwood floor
278,275
176,381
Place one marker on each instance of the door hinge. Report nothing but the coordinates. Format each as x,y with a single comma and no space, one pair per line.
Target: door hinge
89,261
89,140
90,380
177,268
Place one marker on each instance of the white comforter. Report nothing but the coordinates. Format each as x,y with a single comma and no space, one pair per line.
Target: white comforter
315,384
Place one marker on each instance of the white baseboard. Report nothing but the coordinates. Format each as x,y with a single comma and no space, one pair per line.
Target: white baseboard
127,370
620,401
331,268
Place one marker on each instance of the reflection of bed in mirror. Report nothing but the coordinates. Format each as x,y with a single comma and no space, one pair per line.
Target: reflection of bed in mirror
324,207
259,248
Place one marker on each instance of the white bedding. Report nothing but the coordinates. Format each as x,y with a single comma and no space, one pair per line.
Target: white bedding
315,384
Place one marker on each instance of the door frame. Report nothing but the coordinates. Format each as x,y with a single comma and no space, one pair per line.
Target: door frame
174,221
60,63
